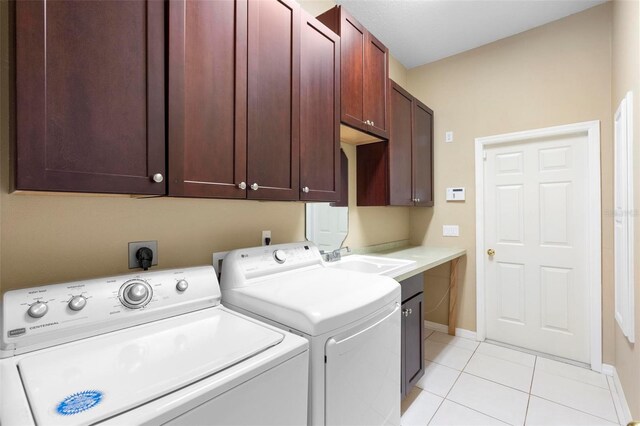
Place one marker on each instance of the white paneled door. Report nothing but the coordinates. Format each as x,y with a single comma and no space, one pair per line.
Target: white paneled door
536,239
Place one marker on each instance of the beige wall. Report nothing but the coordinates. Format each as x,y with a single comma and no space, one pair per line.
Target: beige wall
556,74
626,76
49,238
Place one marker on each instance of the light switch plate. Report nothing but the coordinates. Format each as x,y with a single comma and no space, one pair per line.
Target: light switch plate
448,136
450,231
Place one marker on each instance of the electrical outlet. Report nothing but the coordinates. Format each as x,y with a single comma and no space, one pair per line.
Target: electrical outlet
448,136
450,231
265,235
135,246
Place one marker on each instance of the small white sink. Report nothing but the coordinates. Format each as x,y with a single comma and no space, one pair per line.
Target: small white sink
373,265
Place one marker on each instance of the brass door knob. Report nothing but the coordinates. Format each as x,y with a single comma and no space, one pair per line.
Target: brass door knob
491,252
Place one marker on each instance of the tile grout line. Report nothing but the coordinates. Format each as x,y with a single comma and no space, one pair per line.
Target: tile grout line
424,390
501,384
574,409
533,374
479,412
451,388
482,378
615,398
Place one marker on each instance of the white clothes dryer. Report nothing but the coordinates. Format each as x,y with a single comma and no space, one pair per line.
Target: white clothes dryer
351,319
147,348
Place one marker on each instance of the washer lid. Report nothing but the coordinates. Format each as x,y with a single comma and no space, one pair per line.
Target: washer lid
93,379
315,301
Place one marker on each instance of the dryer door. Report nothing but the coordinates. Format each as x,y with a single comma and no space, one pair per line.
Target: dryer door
363,373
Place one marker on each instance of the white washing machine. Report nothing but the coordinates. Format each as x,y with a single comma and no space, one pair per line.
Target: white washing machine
352,321
149,348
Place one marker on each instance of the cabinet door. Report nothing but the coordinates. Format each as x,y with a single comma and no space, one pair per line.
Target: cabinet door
422,154
413,344
274,97
400,179
319,112
352,45
90,96
376,74
207,98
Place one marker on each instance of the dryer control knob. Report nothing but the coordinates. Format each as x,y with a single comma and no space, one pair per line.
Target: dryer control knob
182,285
77,303
38,310
280,256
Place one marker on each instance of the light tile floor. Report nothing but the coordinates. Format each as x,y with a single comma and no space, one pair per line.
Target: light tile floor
470,383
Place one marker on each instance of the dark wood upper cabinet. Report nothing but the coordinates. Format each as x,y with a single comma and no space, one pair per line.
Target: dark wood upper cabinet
90,99
400,151
422,154
319,112
273,117
376,78
90,96
364,74
408,176
207,98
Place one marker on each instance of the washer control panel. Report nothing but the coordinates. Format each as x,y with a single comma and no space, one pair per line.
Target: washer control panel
241,267
42,316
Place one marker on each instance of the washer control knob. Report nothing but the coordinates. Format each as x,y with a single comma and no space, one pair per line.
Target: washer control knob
280,256
77,303
182,285
136,292
38,310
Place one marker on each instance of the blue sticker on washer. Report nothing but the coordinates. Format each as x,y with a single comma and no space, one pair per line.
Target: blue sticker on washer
79,402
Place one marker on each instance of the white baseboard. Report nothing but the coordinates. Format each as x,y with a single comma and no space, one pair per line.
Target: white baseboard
436,326
619,400
608,369
467,334
461,332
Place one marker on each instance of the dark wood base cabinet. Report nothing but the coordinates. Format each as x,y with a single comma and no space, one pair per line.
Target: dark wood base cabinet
412,358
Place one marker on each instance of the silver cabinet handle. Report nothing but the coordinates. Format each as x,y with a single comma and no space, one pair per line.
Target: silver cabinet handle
255,186
305,189
405,312
242,185
417,200
410,311
373,123
157,178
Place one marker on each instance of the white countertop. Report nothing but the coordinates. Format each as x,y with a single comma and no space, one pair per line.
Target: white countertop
425,257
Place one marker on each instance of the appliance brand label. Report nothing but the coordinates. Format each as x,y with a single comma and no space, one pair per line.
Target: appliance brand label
49,324
79,402
16,332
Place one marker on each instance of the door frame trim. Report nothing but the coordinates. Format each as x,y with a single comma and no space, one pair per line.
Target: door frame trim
594,250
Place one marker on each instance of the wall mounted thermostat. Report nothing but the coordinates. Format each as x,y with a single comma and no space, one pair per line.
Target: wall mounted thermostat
455,194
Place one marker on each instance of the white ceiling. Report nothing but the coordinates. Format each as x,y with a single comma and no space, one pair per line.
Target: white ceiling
422,31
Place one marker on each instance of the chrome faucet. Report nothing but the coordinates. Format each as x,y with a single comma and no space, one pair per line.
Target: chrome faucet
334,255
